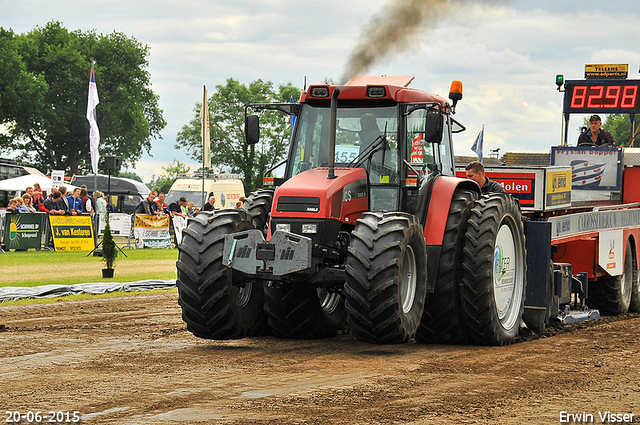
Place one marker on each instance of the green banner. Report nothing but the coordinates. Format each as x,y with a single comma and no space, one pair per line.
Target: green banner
23,231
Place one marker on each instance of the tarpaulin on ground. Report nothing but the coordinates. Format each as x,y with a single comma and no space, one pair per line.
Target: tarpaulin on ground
9,293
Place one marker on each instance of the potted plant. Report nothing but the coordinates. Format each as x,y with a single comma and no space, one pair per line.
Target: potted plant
109,250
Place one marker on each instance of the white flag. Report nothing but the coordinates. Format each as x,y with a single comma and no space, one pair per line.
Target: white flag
94,134
206,135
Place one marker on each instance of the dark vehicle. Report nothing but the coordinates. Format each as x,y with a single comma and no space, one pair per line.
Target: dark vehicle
125,194
9,169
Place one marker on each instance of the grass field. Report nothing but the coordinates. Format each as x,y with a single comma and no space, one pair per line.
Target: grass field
67,268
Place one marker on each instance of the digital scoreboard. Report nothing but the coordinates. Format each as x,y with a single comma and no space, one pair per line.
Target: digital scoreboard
619,96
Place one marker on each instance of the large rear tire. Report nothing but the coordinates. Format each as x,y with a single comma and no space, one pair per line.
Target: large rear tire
212,306
634,307
494,270
386,278
301,312
443,319
612,295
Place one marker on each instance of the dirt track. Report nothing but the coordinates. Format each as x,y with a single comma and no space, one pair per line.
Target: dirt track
131,361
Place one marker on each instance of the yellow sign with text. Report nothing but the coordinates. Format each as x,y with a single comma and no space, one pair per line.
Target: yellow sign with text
606,71
558,188
72,233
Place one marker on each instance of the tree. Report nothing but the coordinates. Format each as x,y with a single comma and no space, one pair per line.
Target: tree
228,148
44,97
170,174
620,126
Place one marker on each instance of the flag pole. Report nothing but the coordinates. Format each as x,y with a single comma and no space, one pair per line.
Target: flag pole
204,120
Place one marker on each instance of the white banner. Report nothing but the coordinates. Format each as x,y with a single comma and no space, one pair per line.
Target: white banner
151,231
120,224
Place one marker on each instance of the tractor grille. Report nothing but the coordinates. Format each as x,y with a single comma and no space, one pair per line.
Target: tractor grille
298,204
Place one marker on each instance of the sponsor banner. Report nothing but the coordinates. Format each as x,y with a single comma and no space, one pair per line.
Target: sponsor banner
151,231
120,224
594,221
23,231
610,251
617,70
591,168
519,183
558,190
72,233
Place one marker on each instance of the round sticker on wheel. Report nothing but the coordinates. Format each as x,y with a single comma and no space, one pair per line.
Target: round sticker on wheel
503,271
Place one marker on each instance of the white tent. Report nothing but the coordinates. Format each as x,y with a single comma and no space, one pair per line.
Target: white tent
22,182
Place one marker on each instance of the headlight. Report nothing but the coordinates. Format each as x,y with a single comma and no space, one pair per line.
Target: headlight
283,227
309,228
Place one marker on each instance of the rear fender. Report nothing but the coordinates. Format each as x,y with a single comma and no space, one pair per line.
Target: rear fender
439,203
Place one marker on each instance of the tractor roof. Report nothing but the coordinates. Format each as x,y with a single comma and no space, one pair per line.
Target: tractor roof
393,88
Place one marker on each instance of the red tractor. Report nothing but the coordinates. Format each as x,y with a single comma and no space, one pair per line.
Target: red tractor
367,228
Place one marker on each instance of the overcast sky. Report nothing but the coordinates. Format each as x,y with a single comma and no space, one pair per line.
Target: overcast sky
506,53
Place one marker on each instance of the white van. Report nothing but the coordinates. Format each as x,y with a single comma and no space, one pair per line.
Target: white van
226,188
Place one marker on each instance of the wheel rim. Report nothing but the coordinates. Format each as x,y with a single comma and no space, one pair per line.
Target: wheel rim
507,276
627,277
243,294
408,279
329,301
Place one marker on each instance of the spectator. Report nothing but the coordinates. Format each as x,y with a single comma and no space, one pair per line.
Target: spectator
63,198
86,202
210,206
28,202
55,204
101,204
20,207
190,209
38,202
13,206
175,208
29,190
475,172
75,202
148,206
160,203
238,204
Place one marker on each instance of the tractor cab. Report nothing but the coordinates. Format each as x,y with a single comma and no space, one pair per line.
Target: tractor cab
399,136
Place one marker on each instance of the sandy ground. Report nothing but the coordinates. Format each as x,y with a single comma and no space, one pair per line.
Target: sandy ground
131,361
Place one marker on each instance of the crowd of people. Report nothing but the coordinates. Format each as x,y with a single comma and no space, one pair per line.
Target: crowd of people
155,205
78,202
59,202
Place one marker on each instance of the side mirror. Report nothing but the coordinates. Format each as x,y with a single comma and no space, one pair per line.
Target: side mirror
252,129
433,128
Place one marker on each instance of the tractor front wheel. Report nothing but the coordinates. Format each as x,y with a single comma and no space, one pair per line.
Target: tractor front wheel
213,307
386,278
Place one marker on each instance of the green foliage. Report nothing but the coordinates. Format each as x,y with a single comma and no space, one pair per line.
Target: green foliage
43,97
228,148
109,249
620,126
170,174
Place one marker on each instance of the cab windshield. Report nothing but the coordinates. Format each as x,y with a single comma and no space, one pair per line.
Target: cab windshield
365,137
